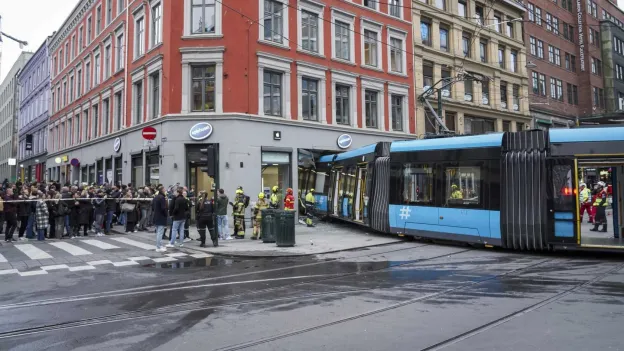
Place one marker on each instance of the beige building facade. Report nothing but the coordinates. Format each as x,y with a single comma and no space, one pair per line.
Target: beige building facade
484,39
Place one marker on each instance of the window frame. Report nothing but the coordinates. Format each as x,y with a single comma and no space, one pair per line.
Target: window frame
284,22
279,74
340,18
139,35
188,21
312,72
370,27
349,80
446,194
394,34
373,85
156,24
203,80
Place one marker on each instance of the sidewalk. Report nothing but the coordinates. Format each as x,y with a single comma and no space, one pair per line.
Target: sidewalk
322,239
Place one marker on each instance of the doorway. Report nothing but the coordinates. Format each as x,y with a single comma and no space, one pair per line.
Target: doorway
276,171
361,211
337,195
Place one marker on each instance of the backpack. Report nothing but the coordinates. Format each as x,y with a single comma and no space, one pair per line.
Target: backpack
246,200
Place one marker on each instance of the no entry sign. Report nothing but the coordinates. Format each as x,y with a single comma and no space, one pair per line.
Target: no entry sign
149,133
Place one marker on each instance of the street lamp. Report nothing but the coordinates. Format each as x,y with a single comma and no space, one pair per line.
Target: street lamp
530,65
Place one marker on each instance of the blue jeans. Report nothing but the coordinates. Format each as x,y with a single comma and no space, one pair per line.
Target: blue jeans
40,234
160,230
30,231
222,224
122,218
177,229
67,227
109,220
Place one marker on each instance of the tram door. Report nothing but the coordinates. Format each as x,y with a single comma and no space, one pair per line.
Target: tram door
564,201
336,198
360,204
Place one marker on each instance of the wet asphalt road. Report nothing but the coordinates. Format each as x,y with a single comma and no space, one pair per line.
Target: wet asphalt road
407,296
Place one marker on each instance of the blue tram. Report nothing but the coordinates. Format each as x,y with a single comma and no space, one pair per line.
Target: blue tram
512,190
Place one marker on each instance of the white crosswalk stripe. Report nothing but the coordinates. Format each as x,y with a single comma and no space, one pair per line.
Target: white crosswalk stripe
30,273
134,243
177,254
55,267
72,249
100,244
33,252
164,259
2,259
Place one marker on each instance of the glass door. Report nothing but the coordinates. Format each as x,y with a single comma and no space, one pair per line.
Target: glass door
360,203
564,204
337,175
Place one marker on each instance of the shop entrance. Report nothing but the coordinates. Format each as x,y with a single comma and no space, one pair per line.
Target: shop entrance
197,162
276,171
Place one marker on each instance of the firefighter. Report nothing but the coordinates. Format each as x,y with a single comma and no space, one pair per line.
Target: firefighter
585,200
275,199
245,201
206,219
601,207
309,202
238,212
289,201
456,194
260,205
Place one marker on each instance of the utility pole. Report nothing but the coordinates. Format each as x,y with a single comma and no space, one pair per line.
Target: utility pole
21,43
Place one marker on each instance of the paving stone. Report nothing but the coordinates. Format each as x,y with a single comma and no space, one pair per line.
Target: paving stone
73,259
47,262
31,263
60,260
5,266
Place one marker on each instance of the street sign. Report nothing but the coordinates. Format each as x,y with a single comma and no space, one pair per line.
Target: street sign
149,133
149,144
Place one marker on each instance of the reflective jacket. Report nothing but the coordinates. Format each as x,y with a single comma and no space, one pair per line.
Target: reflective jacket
309,199
585,195
601,199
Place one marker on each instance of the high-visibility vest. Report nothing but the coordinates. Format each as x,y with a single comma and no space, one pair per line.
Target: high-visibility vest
601,199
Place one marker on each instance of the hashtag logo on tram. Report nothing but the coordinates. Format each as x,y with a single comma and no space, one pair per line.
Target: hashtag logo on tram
405,212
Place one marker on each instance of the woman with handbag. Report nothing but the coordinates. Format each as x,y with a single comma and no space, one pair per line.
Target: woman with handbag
85,213
129,207
60,211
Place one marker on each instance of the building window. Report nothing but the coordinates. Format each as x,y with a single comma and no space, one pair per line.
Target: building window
81,39
483,45
370,103
513,64
531,11
446,76
444,39
498,26
83,132
107,61
203,16
138,102
139,37
619,72
155,95
542,84
592,8
96,70
309,31
395,8
555,25
549,22
109,11
273,22
342,41
533,46
105,115
575,94
567,62
370,48
342,104
98,20
396,55
468,90
71,89
535,83
570,98
479,14
89,30
557,57
540,49
501,56
538,16
203,88
573,63
94,129
441,4
272,93
425,32
462,8
427,75
309,99
515,97
466,40
118,110
397,112
119,54
559,90
485,92
510,29
372,4
596,66
503,94
156,30
553,88
567,4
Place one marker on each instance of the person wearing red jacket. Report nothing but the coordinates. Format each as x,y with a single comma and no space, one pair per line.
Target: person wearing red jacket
289,201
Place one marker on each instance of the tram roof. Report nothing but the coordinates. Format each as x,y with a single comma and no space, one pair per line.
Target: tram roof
459,142
565,135
369,149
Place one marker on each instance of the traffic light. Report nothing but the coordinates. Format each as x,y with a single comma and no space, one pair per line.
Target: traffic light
208,160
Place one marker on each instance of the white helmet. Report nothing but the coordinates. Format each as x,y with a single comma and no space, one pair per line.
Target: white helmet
582,184
601,184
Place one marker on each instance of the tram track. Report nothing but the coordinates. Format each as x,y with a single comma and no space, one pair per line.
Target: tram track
190,306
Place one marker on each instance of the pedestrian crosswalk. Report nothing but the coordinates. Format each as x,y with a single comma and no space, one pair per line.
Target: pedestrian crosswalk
38,258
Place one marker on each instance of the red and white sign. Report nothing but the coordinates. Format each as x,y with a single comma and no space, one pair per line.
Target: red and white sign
149,133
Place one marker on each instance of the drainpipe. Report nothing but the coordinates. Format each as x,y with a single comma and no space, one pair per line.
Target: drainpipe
126,68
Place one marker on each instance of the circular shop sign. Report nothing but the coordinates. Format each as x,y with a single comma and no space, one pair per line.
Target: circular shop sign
344,141
117,144
200,131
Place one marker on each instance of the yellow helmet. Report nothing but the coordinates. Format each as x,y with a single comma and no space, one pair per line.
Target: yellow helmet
311,190
275,189
454,186
261,196
239,191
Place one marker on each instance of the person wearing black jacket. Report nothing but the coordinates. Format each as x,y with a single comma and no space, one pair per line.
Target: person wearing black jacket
99,205
179,211
159,206
60,211
65,195
23,209
111,207
10,214
206,219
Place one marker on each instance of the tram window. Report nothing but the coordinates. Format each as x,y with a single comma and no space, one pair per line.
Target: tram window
418,183
564,192
463,186
322,182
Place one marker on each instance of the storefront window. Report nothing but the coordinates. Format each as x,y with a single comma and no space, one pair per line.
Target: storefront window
108,175
137,170
276,171
84,175
91,174
153,170
118,169
100,172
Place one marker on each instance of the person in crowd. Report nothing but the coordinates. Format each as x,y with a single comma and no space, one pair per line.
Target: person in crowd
206,219
31,206
221,212
99,205
74,216
131,211
42,220
585,201
23,209
1,211
261,204
238,212
65,196
111,206
187,222
60,212
85,208
178,213
159,205
289,201
51,207
274,200
10,214
143,208
601,204
310,202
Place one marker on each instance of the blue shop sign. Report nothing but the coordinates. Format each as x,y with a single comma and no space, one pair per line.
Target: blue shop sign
344,141
200,131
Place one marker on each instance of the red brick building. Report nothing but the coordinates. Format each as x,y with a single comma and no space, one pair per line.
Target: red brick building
564,42
255,80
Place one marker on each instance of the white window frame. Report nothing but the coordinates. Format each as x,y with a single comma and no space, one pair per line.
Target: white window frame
370,8
118,89
377,28
136,78
285,21
401,35
402,90
152,35
106,96
122,60
218,22
89,31
155,67
369,83
278,64
138,15
348,18
88,73
97,58
121,6
317,9
107,71
197,55
389,3
79,69
307,70
347,79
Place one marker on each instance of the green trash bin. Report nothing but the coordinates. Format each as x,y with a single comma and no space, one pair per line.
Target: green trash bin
286,233
269,225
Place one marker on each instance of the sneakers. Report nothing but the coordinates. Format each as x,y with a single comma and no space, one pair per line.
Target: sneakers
162,249
186,240
99,234
229,238
135,231
181,245
23,239
169,245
